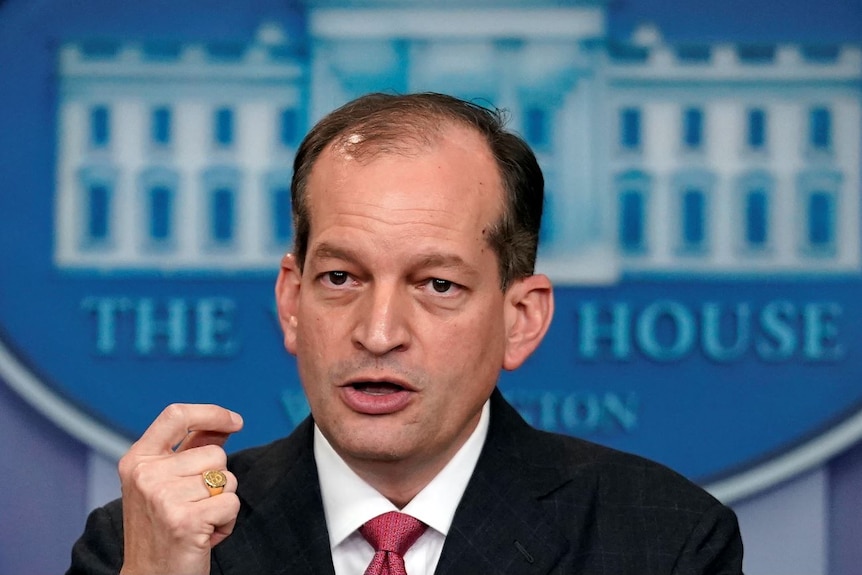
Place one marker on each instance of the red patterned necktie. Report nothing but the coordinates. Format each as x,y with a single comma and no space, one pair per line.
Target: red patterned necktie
391,535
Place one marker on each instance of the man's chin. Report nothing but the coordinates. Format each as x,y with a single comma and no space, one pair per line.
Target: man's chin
370,441
372,453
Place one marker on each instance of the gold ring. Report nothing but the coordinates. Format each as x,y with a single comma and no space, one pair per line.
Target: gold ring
215,481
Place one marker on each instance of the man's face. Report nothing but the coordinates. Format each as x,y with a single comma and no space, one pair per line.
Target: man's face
397,321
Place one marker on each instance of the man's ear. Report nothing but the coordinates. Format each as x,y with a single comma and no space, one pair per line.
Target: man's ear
528,312
287,299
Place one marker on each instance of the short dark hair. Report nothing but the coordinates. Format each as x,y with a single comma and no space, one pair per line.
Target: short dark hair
397,124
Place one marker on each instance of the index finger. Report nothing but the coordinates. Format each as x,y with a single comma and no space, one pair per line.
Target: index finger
176,421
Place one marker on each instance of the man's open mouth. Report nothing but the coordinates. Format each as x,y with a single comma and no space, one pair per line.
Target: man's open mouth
377,387
378,397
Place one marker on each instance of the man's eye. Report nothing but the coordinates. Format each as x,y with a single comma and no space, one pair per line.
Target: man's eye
441,286
337,278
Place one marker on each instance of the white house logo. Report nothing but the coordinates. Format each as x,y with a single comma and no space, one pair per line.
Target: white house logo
702,224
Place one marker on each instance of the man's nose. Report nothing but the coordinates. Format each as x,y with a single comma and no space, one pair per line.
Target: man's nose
383,322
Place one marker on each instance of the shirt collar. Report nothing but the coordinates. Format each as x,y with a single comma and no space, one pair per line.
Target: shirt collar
348,501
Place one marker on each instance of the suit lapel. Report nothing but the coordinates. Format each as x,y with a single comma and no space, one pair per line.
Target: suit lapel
281,528
501,524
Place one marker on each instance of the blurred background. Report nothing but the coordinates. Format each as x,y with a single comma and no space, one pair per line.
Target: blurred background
702,229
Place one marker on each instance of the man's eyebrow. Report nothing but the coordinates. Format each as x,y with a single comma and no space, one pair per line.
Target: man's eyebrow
440,260
422,261
329,251
445,261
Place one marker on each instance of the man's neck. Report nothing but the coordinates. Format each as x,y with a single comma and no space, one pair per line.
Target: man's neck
400,480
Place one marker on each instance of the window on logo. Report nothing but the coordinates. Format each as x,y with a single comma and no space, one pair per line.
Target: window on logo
282,229
100,127
222,215
693,219
632,221
756,218
98,212
224,127
288,132
820,129
692,136
630,129
160,212
548,231
818,203
161,126
821,220
633,188
221,203
753,210
756,135
157,207
536,126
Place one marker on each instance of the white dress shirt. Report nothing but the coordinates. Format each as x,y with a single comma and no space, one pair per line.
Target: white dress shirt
348,502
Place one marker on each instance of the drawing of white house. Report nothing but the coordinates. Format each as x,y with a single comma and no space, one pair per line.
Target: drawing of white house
700,159
177,158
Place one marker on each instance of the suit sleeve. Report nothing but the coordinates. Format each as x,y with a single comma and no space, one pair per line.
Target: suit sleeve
714,546
99,551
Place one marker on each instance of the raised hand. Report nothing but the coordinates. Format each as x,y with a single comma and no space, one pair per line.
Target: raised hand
170,520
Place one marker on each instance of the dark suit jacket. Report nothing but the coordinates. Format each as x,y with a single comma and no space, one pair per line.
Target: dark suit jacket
537,503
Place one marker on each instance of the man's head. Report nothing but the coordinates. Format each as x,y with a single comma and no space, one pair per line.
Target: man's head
381,124
395,315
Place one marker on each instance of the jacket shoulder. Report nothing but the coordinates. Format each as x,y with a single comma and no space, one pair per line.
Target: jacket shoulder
624,477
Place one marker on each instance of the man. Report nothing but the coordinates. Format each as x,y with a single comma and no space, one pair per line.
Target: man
410,287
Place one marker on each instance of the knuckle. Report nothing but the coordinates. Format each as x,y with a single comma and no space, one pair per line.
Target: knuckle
139,477
217,455
175,412
126,465
130,460
160,499
139,473
212,456
176,522
177,516
232,503
232,481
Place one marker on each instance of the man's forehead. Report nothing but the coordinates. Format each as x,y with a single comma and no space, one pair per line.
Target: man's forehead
352,151
365,142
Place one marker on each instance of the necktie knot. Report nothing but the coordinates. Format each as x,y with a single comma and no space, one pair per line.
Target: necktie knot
391,535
